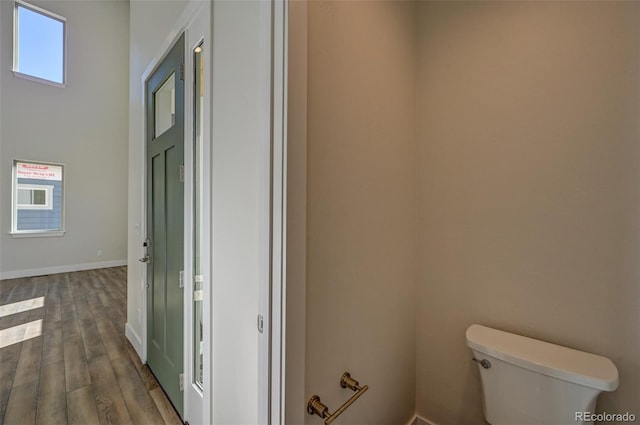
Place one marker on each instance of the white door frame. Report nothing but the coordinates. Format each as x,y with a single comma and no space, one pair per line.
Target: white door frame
197,31
278,200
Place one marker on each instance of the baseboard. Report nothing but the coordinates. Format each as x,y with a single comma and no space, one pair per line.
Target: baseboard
417,420
134,339
61,269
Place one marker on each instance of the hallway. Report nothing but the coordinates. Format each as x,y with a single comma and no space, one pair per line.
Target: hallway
77,367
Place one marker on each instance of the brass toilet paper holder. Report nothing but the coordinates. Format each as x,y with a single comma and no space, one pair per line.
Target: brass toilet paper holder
316,407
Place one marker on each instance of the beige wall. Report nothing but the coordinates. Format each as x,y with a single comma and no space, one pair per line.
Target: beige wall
361,200
529,188
296,271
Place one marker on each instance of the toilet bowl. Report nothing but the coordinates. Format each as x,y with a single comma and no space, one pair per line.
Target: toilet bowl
527,381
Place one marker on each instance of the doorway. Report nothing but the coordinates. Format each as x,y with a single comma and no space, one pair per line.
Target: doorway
164,91
242,170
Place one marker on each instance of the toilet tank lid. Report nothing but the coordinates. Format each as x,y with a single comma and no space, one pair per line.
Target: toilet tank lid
549,359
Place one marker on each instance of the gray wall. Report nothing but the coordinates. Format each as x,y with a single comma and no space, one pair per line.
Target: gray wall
83,126
529,188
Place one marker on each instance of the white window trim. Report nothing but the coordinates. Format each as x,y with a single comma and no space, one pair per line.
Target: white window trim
40,80
48,205
37,234
51,15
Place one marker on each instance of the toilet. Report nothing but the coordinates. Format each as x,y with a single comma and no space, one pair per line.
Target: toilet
527,381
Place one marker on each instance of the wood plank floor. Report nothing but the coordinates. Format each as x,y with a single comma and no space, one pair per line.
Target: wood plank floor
81,369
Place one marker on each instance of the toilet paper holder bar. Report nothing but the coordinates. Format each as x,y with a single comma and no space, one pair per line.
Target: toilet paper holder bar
316,407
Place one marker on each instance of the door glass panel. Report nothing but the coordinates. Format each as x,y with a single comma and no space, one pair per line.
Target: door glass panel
198,97
165,105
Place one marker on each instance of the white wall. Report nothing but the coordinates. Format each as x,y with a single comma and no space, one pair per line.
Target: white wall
83,126
361,208
529,187
240,198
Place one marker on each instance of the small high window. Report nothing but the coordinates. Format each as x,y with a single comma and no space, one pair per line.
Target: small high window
38,199
39,44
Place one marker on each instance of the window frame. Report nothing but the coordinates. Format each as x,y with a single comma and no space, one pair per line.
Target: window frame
38,233
48,14
48,190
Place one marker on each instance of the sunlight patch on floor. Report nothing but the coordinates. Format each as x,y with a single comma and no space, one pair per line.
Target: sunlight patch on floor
20,306
19,333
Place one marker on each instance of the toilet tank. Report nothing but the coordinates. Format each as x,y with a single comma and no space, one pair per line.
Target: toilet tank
535,382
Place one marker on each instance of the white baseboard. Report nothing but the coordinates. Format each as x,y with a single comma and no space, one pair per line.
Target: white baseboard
135,340
417,420
61,269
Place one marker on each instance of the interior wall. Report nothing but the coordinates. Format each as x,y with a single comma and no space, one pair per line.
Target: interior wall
83,126
361,207
529,188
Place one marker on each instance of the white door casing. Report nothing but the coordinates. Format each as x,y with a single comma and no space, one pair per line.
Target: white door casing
198,34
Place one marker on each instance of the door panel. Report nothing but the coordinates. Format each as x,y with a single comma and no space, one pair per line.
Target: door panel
165,223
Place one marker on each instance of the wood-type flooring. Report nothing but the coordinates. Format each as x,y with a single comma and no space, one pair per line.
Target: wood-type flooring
76,367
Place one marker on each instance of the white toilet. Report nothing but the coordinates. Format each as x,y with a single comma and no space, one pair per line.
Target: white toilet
527,381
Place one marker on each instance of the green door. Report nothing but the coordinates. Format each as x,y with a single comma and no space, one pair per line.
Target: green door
165,223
